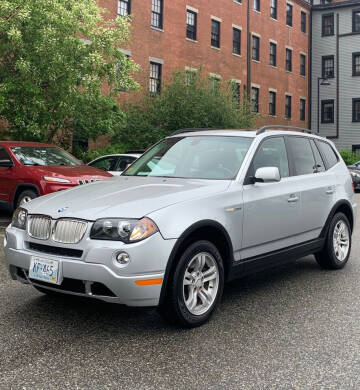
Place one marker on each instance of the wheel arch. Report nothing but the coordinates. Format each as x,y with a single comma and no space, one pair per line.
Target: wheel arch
23,187
342,206
209,230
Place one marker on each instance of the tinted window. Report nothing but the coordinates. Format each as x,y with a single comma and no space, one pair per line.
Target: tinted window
124,162
320,166
4,155
106,164
328,153
272,153
302,155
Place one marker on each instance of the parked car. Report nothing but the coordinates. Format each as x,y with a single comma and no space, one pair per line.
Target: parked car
196,210
114,163
29,170
355,174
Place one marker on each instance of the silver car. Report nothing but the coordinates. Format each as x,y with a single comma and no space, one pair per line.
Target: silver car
198,209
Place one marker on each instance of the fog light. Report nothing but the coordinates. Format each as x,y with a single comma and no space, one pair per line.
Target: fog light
122,258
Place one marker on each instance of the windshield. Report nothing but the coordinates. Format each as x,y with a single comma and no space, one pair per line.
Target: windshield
196,157
31,155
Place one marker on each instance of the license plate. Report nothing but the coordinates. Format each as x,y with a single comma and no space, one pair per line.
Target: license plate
44,270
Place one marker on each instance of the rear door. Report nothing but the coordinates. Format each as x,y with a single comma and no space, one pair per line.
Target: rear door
310,172
271,210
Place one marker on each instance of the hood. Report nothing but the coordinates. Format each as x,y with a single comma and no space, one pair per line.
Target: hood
70,171
124,196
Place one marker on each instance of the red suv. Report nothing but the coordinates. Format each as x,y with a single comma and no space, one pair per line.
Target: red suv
29,170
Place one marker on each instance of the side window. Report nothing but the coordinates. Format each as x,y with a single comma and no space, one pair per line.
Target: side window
272,153
106,164
123,163
328,153
302,154
4,156
320,166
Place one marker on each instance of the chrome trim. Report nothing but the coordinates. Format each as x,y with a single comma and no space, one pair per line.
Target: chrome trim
69,231
38,226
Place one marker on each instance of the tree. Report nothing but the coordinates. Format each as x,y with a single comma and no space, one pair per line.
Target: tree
60,68
188,100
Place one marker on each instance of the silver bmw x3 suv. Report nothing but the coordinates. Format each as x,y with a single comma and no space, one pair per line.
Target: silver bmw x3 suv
198,209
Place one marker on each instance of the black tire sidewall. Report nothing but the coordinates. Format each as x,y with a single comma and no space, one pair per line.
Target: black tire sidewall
334,262
29,193
184,316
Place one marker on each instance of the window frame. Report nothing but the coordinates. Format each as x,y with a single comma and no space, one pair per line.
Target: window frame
289,14
238,42
158,80
354,101
354,13
323,103
303,22
191,29
258,5
324,158
128,9
273,9
302,65
273,55
332,32
288,107
160,14
255,104
215,38
354,55
288,61
302,109
255,49
323,60
272,105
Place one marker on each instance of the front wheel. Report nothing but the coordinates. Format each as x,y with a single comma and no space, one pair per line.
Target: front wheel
196,285
25,197
337,248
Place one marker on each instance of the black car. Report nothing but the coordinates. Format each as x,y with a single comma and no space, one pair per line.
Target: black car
355,174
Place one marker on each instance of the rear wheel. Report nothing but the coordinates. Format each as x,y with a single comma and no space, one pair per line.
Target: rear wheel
25,197
337,248
196,285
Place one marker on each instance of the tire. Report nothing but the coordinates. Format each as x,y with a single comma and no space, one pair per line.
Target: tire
25,196
335,256
200,257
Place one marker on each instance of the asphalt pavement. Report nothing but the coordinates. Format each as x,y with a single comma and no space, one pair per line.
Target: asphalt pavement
294,327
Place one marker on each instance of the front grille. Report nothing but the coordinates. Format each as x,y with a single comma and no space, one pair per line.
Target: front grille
54,250
39,226
69,231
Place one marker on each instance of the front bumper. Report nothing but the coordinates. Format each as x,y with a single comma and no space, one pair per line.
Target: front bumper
96,267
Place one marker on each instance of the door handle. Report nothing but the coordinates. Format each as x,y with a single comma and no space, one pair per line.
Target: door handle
293,199
330,191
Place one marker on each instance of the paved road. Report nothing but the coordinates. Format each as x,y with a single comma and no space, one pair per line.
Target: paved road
296,327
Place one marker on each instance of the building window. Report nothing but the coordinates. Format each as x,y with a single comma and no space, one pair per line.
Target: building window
215,33
302,109
155,77
272,53
328,67
157,13
287,106
302,64
272,103
256,5
236,87
255,99
356,21
124,7
191,25
288,63
289,14
356,110
327,111
356,64
327,25
214,83
303,21
190,76
236,41
255,48
273,9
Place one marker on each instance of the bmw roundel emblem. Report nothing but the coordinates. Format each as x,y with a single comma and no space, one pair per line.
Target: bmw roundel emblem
62,209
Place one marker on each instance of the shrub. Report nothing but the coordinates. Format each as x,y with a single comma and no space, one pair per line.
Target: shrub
350,158
93,154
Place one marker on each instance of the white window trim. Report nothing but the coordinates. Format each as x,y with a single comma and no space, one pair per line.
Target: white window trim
289,47
126,52
216,18
290,3
235,81
304,54
255,85
215,76
189,8
288,94
273,90
272,41
256,35
303,98
239,2
190,69
157,60
304,10
236,26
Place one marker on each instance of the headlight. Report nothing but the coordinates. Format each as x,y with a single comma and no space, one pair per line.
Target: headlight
126,230
52,179
19,219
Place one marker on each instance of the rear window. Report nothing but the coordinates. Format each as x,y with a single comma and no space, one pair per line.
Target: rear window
328,152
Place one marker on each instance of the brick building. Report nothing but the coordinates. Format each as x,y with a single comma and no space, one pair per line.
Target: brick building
263,45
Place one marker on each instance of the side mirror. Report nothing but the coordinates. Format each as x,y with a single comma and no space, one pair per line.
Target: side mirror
267,175
6,164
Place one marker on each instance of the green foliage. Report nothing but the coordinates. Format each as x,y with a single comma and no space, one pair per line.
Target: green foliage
50,79
187,100
93,154
350,158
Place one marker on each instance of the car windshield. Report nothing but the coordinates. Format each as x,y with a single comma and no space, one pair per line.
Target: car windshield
195,157
31,155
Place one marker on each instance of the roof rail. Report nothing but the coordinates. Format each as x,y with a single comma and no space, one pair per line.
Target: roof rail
191,130
279,127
